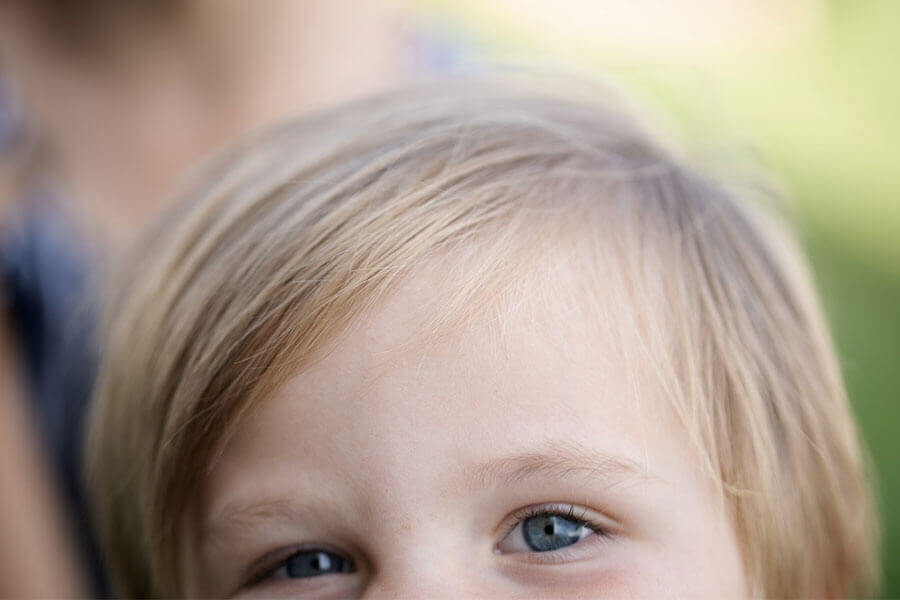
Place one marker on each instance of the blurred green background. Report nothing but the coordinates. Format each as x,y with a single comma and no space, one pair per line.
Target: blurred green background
809,89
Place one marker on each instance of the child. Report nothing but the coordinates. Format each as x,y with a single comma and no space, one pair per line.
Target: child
473,341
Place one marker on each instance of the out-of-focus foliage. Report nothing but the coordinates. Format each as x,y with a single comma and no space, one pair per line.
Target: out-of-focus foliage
817,101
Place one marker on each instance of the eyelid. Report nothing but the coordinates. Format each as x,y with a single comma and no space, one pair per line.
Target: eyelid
262,568
598,522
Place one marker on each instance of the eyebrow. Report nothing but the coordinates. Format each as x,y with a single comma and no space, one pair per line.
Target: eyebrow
237,519
556,461
551,461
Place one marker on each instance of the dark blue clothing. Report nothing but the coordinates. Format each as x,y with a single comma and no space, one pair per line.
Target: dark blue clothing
51,310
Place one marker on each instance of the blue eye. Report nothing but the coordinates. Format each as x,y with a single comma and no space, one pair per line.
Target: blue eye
312,563
545,529
544,533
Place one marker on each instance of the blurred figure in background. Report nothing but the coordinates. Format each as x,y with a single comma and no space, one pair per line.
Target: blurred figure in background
103,106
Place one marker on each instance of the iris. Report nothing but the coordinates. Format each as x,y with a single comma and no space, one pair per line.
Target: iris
311,563
544,533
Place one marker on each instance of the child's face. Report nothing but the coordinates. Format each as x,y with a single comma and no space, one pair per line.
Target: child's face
525,455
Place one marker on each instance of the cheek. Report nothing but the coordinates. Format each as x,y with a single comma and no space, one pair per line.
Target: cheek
702,561
693,571
643,579
716,561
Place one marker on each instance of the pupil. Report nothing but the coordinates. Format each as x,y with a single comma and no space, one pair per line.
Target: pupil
548,529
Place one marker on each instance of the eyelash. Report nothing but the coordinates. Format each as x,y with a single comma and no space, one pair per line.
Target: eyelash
567,511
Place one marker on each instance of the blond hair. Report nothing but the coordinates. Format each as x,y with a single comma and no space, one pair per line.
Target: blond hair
295,233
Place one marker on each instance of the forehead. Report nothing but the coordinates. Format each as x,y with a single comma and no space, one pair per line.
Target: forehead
403,398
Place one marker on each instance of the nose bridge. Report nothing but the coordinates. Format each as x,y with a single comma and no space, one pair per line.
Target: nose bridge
418,534
415,559
421,554
422,579
409,587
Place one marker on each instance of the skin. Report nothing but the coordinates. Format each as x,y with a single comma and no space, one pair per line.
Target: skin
415,460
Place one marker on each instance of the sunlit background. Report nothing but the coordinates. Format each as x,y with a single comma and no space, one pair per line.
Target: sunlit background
808,89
